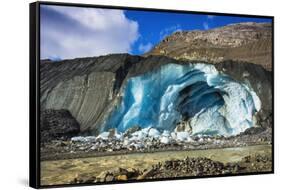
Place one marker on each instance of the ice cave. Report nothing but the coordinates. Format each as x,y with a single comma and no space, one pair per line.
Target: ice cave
211,102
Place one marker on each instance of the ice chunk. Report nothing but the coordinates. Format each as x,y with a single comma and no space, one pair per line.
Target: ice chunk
174,135
94,147
182,136
166,133
103,135
153,133
118,136
79,139
83,139
165,140
126,142
90,138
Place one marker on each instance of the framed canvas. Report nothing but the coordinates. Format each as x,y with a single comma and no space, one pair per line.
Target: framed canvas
120,94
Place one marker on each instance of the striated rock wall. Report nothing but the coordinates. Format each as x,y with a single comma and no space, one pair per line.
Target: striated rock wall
86,96
83,86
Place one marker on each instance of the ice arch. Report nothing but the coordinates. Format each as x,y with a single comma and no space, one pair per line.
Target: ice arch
213,103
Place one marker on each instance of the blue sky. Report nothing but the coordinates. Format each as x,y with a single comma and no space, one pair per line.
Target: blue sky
69,32
153,26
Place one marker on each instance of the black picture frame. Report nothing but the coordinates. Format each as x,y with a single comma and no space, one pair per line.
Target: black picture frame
34,93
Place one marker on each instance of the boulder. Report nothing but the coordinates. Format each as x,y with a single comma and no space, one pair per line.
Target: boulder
130,131
146,174
57,124
183,126
112,133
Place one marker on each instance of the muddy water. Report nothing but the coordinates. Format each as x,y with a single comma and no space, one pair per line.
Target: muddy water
62,171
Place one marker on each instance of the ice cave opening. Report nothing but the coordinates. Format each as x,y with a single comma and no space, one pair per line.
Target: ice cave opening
211,102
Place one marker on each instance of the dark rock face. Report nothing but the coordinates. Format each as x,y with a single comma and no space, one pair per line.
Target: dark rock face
84,86
57,124
90,88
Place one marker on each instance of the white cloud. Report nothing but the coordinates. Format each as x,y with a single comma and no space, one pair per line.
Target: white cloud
168,31
145,47
81,32
206,25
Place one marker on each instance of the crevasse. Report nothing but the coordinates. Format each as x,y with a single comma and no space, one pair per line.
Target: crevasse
211,102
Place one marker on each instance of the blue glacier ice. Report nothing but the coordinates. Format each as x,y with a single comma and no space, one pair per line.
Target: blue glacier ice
212,103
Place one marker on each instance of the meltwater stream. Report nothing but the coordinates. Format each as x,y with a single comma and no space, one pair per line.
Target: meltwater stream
211,102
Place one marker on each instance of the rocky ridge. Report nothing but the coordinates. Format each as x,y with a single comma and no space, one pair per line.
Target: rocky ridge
249,41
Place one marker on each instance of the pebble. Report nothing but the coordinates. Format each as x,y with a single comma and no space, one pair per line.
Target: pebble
109,178
122,177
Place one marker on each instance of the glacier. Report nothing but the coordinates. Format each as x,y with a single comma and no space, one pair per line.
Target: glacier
212,102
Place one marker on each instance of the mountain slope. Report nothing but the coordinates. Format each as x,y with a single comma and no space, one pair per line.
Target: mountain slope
249,42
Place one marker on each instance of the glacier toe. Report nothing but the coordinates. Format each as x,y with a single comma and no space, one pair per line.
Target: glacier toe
212,102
